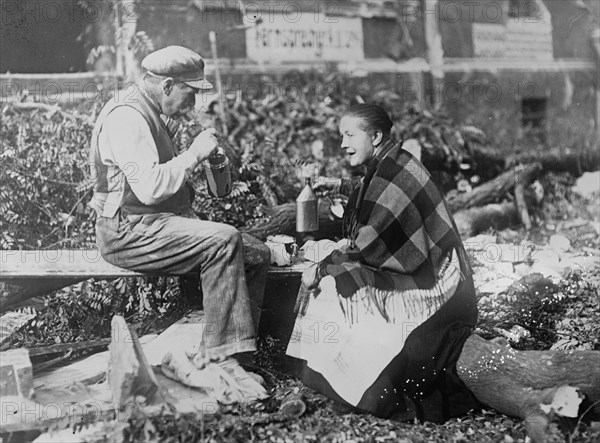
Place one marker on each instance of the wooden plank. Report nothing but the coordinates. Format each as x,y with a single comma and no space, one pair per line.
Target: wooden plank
88,371
99,432
65,347
59,263
16,374
81,264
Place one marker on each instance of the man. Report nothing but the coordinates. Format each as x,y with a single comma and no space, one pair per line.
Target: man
143,201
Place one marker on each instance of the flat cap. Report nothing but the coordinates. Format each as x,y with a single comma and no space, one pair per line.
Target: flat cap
178,62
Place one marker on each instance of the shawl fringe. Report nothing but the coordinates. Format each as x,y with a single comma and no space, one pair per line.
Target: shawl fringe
410,302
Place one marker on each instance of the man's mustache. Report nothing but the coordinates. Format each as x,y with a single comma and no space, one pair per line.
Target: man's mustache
185,109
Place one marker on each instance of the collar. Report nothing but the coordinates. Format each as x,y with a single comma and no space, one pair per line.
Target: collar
148,96
382,150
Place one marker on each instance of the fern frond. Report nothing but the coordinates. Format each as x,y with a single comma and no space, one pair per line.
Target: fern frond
239,189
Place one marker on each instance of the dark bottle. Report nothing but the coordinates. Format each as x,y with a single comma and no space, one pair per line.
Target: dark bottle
218,174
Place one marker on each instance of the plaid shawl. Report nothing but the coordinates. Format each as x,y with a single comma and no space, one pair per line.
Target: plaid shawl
400,228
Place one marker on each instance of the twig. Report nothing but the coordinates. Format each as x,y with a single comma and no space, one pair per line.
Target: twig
79,200
49,234
43,210
572,436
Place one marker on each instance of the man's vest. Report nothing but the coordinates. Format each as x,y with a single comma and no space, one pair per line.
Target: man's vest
112,190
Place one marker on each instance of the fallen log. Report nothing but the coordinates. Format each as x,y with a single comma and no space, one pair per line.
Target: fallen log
469,222
531,385
495,189
472,221
281,219
489,162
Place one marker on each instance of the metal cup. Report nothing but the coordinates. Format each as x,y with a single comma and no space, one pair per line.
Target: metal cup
218,175
283,249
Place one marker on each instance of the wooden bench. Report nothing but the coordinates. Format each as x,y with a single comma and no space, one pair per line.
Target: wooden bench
25,274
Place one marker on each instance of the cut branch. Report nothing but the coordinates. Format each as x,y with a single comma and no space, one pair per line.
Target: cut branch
518,383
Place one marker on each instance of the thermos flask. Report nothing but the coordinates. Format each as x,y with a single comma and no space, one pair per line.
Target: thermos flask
307,212
218,174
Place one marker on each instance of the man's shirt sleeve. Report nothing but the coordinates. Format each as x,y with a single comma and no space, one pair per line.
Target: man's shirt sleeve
126,142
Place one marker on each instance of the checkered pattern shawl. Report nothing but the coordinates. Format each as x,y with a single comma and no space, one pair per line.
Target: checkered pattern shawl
401,229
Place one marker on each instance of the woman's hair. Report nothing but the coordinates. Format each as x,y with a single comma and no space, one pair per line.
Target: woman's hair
374,118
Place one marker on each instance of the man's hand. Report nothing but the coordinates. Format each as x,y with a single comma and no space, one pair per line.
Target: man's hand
326,184
204,144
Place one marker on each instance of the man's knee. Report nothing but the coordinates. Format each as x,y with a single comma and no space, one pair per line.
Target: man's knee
230,235
255,251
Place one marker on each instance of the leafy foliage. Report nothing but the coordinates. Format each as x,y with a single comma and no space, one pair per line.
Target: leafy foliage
44,156
561,315
268,140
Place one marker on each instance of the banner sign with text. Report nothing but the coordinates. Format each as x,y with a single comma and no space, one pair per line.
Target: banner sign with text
531,41
302,38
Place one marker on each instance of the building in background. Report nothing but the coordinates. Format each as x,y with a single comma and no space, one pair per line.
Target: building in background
528,61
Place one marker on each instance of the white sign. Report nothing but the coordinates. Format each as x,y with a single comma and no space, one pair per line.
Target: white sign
305,39
531,41
489,40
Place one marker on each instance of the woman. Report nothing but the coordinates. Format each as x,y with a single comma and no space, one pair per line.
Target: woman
381,323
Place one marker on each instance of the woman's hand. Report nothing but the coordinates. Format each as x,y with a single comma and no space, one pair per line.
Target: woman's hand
307,289
309,277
